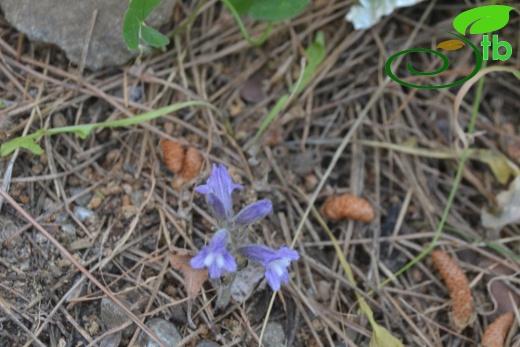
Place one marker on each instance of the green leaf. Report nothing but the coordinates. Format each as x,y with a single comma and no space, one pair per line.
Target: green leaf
315,53
483,19
272,115
131,27
241,6
383,338
143,8
276,10
153,37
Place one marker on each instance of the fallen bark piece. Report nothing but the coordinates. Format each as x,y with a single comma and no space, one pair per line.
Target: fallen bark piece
345,206
496,332
458,287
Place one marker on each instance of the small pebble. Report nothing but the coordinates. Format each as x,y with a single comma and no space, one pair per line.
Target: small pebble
274,335
114,316
82,213
84,199
137,197
206,343
165,331
69,229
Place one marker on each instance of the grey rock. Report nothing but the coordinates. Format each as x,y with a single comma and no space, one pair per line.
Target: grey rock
82,201
67,22
274,335
82,213
69,229
113,316
165,331
206,343
137,197
246,281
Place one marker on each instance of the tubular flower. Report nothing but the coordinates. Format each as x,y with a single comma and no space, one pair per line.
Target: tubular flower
215,256
218,191
252,213
274,262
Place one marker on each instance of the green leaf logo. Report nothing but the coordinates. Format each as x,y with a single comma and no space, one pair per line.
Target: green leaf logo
482,19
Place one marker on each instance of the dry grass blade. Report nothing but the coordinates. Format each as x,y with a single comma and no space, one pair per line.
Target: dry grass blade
496,332
458,287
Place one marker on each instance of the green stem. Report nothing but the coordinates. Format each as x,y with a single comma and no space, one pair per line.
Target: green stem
248,38
192,17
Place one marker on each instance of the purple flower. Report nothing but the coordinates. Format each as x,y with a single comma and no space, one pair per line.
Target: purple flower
215,256
275,262
218,191
252,213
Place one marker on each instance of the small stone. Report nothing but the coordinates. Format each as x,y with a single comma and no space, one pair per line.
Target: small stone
69,229
127,188
48,204
246,282
83,213
206,343
324,290
114,316
274,335
129,211
165,331
84,199
137,197
58,120
311,181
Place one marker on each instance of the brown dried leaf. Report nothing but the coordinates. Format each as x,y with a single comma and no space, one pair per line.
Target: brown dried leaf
194,278
348,206
496,332
458,287
173,155
192,164
451,45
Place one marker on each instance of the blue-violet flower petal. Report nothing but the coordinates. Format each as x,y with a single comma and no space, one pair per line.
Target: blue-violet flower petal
274,262
220,184
216,206
254,212
215,256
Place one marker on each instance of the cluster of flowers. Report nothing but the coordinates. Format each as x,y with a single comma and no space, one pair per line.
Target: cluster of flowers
220,254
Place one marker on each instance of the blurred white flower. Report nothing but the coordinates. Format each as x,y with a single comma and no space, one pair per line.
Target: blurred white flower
371,11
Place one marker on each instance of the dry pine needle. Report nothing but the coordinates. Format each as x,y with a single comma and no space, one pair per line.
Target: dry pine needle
458,287
496,332
345,206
